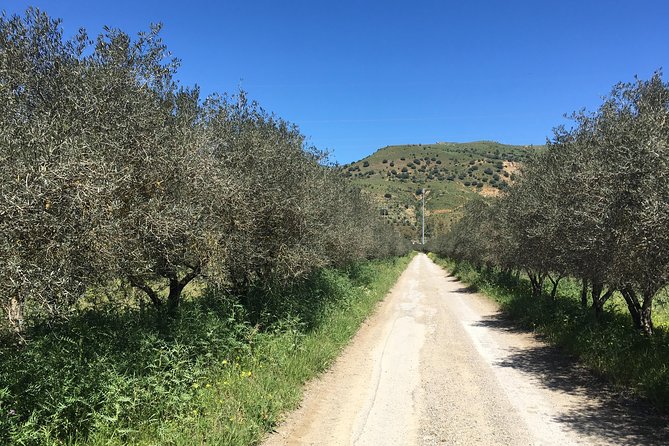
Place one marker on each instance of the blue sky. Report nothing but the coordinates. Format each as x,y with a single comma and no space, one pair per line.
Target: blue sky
359,75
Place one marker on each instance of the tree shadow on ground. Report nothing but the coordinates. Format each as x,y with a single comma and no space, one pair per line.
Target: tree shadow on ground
612,415
466,290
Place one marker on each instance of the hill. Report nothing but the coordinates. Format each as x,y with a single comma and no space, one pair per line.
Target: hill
450,173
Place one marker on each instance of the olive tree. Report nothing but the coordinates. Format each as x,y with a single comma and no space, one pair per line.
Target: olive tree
301,215
634,127
111,170
595,206
616,197
48,218
104,169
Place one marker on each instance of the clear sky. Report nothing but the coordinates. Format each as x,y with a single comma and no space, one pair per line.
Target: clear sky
359,75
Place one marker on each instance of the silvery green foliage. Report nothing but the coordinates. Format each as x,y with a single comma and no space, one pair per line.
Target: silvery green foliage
595,206
47,217
300,215
111,170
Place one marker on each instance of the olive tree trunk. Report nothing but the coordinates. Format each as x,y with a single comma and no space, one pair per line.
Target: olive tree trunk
641,312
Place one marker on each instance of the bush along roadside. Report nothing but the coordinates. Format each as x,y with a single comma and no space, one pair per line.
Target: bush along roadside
216,372
606,344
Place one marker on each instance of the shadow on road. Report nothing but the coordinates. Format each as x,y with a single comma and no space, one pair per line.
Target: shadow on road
466,290
611,415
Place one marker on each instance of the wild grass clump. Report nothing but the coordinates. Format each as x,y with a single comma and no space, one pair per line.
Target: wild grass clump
607,344
214,372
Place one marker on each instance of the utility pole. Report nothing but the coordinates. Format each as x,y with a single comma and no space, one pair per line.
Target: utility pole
422,237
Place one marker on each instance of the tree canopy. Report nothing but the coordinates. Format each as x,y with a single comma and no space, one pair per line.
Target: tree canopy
595,206
111,170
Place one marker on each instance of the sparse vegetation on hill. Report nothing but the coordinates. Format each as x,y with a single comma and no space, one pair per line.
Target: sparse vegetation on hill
451,173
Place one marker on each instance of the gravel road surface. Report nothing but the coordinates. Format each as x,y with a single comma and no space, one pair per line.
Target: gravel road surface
439,365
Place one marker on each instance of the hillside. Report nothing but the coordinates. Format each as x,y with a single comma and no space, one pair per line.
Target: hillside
451,173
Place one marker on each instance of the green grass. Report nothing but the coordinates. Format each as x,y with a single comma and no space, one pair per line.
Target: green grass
216,373
609,347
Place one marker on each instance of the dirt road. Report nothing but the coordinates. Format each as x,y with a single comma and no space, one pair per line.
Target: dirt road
438,364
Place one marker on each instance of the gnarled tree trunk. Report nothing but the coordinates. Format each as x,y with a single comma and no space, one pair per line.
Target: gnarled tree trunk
641,312
176,286
537,282
599,299
555,282
584,293
14,310
140,285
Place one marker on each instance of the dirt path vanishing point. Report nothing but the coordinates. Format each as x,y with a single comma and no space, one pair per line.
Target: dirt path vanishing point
438,364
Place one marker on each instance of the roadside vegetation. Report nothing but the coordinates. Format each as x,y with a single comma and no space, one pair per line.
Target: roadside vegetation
215,372
583,235
155,245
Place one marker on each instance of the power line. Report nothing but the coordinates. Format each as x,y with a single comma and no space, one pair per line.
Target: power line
422,237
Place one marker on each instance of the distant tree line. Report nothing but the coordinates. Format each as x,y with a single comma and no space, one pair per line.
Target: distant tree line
110,170
594,207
